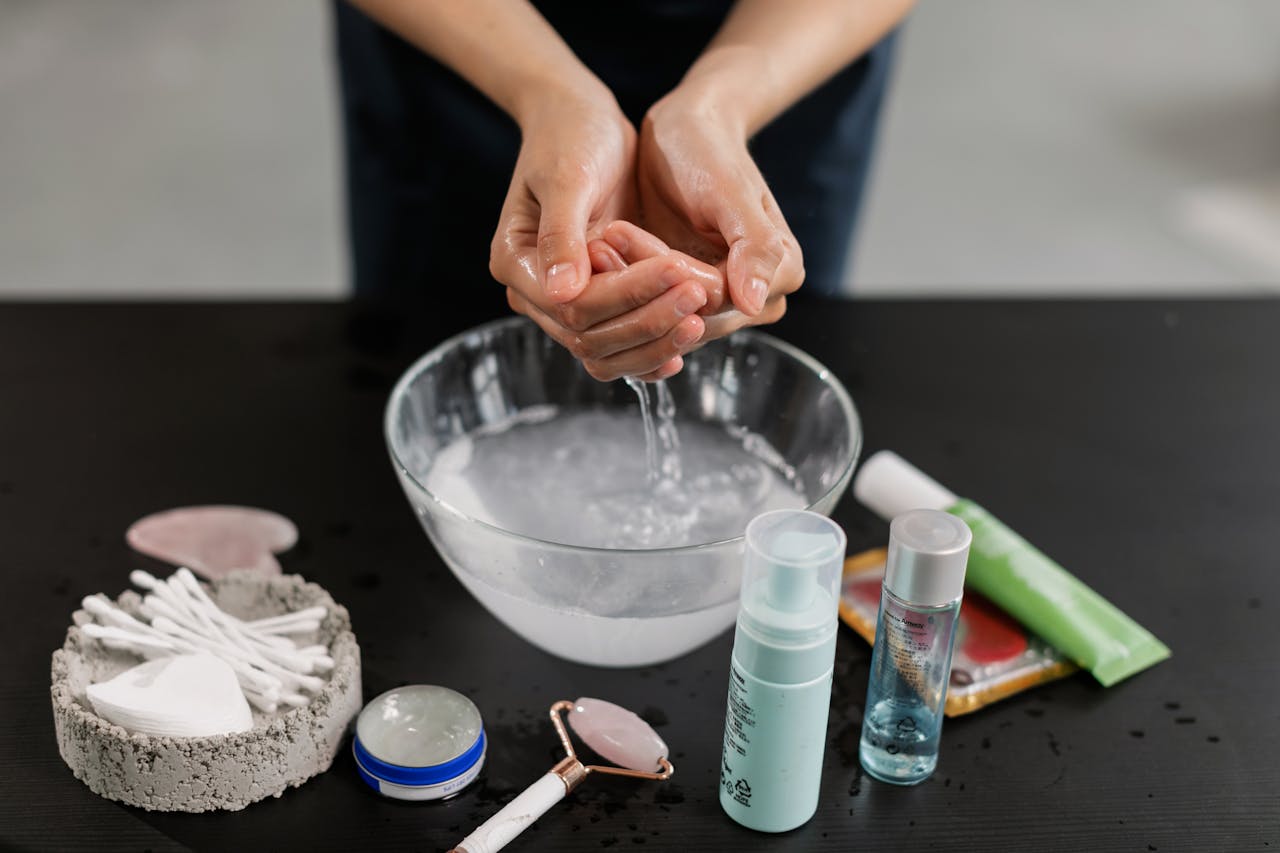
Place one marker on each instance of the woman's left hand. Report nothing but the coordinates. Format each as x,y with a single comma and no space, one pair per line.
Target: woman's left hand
703,195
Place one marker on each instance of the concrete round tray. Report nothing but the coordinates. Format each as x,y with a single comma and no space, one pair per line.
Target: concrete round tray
208,773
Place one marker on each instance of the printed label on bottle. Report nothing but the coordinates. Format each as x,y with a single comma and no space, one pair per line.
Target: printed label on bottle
909,639
740,723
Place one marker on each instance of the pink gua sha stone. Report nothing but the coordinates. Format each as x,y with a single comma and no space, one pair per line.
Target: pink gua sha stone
618,735
214,540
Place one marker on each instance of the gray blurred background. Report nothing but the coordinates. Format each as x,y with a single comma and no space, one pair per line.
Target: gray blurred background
165,148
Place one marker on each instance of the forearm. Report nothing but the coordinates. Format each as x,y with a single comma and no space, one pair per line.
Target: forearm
770,54
502,47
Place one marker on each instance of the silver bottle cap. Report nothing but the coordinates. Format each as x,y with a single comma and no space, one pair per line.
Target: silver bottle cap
928,551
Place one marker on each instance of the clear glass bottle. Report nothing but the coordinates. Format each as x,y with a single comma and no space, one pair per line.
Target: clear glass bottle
915,635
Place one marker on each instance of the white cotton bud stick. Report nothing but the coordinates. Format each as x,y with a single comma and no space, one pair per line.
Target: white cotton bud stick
270,622
107,611
286,652
286,630
144,580
250,668
290,660
105,632
301,626
271,640
189,603
237,633
256,650
115,617
220,627
145,652
154,607
322,663
163,602
159,608
159,589
257,700
227,624
307,682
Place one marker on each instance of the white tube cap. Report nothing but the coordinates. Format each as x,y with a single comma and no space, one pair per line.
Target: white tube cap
928,551
890,485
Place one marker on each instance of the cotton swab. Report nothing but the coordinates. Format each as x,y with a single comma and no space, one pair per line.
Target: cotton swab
182,619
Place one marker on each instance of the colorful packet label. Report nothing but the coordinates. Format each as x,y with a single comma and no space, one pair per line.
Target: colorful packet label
994,656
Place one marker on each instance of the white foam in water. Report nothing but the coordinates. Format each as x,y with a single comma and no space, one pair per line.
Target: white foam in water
602,640
607,479
581,477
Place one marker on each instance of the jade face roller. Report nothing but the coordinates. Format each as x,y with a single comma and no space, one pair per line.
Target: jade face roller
613,732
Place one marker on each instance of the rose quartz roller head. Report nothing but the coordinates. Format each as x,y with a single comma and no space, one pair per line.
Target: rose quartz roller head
613,732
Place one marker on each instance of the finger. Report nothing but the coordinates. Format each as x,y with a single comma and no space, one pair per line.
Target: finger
645,324
564,267
613,294
657,359
756,249
666,371
790,273
512,257
727,322
648,358
565,337
604,258
635,244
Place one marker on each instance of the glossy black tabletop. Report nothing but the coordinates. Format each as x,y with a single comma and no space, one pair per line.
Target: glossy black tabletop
1138,443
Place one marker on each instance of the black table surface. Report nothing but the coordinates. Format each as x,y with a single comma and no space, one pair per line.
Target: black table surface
1136,442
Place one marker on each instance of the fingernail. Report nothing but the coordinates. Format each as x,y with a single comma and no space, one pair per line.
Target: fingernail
690,302
757,290
617,240
688,333
672,276
560,279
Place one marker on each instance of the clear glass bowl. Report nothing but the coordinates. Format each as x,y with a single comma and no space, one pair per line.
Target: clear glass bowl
598,606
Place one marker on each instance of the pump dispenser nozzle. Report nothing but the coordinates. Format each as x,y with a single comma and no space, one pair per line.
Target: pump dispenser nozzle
790,586
791,578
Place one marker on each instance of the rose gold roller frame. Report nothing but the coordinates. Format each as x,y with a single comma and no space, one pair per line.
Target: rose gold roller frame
566,775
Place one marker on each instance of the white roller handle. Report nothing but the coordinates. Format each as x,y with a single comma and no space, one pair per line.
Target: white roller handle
532,804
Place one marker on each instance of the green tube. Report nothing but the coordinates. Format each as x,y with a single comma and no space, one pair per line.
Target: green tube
1010,571
1054,603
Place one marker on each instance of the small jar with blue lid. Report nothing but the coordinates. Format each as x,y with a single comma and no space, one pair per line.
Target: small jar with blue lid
419,742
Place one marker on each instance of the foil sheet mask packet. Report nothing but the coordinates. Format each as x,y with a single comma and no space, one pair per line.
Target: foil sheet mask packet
994,655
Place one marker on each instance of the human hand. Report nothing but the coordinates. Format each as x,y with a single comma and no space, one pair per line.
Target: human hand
574,174
632,319
702,193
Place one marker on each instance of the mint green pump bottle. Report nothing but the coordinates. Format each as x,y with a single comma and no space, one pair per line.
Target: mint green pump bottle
784,649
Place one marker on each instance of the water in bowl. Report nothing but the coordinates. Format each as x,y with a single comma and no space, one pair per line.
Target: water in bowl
605,478
583,477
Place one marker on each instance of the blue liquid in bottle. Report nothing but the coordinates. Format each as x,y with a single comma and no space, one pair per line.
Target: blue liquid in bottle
910,667
915,636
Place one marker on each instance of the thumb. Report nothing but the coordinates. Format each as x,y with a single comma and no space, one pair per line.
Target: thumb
756,249
563,264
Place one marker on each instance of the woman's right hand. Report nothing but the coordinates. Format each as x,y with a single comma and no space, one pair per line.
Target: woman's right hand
574,175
